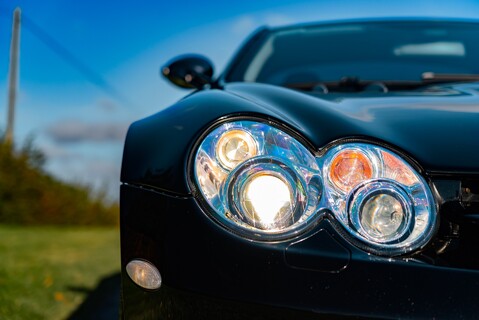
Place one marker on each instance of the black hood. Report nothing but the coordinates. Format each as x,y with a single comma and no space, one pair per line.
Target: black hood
437,125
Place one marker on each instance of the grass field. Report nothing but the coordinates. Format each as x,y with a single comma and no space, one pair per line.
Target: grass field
47,272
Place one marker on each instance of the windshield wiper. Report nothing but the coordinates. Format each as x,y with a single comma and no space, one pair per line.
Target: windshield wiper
347,83
354,84
448,77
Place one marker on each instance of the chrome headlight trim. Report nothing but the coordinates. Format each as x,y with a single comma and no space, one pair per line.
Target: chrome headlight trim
285,162
286,156
392,175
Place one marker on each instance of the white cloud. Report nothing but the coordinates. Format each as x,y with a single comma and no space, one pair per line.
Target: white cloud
74,131
244,25
278,19
58,153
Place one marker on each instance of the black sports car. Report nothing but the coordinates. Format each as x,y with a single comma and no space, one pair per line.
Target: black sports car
332,170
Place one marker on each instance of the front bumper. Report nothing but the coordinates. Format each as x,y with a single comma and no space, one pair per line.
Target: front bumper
210,273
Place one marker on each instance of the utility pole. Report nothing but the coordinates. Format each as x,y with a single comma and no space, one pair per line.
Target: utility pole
13,75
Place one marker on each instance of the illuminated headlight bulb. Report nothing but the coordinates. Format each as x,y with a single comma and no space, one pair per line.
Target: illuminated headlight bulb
382,216
267,200
234,147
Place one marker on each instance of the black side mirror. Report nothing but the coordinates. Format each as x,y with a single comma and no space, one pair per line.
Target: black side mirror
189,71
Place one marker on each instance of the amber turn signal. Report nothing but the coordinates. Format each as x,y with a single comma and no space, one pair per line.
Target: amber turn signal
349,168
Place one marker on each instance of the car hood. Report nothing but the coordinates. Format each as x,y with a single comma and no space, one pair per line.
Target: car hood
437,125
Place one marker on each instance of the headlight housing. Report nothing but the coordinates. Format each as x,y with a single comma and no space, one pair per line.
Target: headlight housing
263,183
259,180
391,208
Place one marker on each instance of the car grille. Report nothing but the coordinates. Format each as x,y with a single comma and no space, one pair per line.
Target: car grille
457,238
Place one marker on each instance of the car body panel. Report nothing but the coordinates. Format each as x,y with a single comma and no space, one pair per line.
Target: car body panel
203,262
419,123
209,271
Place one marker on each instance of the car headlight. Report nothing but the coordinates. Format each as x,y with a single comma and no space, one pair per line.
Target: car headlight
378,197
263,183
258,179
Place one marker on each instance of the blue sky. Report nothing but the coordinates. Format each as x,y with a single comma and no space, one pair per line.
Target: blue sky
79,117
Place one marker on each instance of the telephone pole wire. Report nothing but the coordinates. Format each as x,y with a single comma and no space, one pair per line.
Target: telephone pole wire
13,75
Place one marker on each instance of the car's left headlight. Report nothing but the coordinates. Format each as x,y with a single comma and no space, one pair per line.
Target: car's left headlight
258,179
263,183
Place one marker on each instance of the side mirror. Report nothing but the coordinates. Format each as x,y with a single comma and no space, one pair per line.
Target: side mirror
189,71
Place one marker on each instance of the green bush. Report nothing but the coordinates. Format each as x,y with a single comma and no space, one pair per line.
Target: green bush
30,196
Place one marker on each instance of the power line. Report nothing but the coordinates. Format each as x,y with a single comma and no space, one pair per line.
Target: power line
89,73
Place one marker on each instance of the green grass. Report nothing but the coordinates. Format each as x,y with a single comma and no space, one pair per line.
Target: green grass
46,272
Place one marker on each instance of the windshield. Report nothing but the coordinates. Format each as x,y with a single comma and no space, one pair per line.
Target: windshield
376,51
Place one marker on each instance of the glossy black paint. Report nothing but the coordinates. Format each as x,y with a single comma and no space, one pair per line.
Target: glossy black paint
189,71
201,262
211,273
437,126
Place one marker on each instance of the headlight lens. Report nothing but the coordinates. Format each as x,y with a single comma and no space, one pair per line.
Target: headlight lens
235,146
266,198
387,205
382,216
381,211
258,179
263,183
349,167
